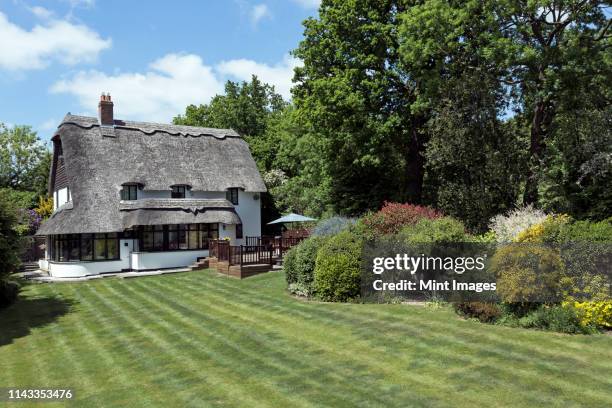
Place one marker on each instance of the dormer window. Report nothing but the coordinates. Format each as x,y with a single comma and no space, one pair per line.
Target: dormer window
129,192
178,191
232,195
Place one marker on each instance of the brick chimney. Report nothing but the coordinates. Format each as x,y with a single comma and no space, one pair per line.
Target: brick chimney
105,110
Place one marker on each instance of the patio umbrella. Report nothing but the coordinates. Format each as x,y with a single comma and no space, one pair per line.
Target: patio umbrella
292,218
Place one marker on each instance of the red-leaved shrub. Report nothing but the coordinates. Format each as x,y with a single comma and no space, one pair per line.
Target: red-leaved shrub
393,216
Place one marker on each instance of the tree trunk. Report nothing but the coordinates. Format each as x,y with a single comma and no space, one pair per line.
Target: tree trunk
415,162
542,117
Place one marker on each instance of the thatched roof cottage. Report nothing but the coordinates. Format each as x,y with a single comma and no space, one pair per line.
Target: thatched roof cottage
140,196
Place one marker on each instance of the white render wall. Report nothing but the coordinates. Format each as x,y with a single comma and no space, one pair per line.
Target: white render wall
249,210
166,259
73,269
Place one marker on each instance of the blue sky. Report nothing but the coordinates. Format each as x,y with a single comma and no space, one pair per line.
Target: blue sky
153,57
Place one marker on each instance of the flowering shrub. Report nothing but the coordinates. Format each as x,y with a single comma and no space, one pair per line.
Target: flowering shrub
508,227
45,207
393,216
598,314
549,230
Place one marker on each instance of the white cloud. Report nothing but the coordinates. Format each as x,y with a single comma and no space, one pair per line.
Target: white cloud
279,74
48,125
259,12
309,4
55,40
41,12
170,84
81,3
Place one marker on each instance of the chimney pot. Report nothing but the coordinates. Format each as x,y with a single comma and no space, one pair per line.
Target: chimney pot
105,110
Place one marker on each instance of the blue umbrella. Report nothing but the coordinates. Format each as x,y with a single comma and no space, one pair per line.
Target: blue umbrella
292,218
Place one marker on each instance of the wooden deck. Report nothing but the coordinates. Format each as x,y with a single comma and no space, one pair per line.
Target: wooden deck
242,261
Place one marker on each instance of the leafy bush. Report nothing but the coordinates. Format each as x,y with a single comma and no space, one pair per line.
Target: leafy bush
550,230
338,266
588,231
508,227
333,225
527,274
300,265
393,216
555,318
485,312
9,249
440,230
289,267
8,292
598,314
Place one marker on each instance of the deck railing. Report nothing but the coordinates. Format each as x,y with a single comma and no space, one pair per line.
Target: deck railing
258,250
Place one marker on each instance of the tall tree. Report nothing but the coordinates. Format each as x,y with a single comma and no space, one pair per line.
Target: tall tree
24,160
245,107
541,51
358,100
554,47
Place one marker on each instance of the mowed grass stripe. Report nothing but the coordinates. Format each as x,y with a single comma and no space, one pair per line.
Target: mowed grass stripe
165,347
182,342
402,316
300,353
239,342
230,345
133,348
556,382
380,366
65,341
306,331
102,345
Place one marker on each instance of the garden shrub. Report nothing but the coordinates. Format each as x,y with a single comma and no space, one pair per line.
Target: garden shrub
485,312
299,265
338,267
589,231
598,314
289,265
440,230
393,216
549,231
304,265
333,225
507,227
555,318
527,275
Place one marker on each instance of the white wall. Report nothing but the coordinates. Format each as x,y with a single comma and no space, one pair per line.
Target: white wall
249,211
60,197
166,259
84,268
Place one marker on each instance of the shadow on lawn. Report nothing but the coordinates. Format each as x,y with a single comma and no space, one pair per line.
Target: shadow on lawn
18,319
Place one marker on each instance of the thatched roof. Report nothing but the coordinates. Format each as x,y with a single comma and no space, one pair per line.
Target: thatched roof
99,159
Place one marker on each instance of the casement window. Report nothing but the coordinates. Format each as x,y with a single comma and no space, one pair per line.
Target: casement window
177,237
232,195
238,231
85,247
129,192
178,192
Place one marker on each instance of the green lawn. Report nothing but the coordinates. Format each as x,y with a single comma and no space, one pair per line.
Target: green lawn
198,339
